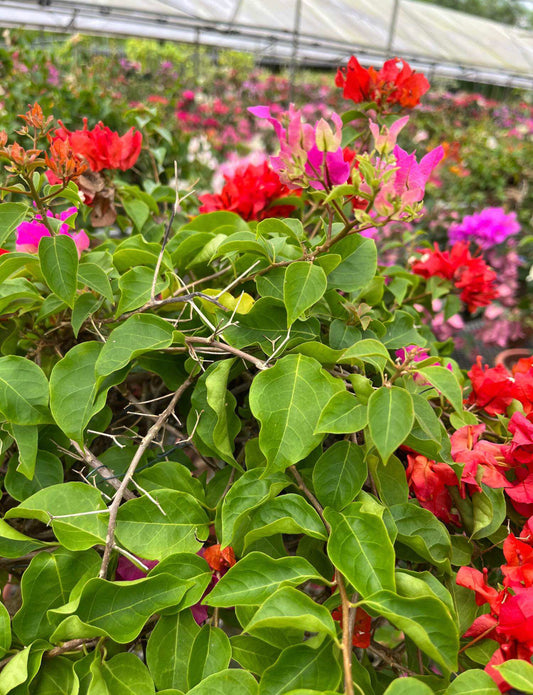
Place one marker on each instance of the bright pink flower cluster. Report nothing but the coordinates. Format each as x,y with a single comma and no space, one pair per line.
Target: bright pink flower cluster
309,155
29,234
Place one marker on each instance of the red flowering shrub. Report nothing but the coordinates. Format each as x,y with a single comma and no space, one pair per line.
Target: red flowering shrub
470,274
101,147
252,193
396,83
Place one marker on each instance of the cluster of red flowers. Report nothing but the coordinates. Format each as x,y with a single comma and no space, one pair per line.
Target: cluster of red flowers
484,461
470,274
101,147
395,83
494,389
510,620
252,193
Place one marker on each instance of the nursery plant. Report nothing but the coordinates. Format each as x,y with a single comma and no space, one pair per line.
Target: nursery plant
234,459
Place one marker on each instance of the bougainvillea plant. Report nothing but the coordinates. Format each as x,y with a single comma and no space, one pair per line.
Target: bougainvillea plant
234,460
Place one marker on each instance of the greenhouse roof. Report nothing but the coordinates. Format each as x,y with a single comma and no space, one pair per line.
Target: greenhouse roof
305,32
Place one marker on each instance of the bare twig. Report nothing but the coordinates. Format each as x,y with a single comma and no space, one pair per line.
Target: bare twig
175,210
145,443
224,347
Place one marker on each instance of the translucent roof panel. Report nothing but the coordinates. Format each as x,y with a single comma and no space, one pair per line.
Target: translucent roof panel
309,32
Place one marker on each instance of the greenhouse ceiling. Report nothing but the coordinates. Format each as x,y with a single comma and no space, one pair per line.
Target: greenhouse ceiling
305,32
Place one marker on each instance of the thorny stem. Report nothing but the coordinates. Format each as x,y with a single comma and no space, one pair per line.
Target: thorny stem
145,443
174,212
107,474
226,348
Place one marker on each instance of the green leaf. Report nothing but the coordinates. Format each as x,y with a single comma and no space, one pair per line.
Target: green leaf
411,584
252,653
85,305
173,475
218,425
136,289
266,325
229,682
23,392
420,530
425,620
56,677
489,511
73,389
285,514
138,334
303,286
339,474
342,414
96,278
360,547
253,579
47,584
245,495
120,609
288,607
482,652
74,532
11,215
123,674
210,653
446,382
22,667
48,471
518,673
27,439
137,211
301,666
5,630
390,418
477,682
401,332
408,686
288,399
16,544
168,664
371,351
59,264
156,532
190,567
358,266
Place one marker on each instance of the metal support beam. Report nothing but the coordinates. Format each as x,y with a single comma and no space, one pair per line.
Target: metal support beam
295,45
392,28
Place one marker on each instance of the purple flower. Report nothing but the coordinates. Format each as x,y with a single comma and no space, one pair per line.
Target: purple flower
487,228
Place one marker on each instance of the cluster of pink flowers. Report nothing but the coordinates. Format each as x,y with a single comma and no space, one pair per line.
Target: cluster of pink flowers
29,234
487,228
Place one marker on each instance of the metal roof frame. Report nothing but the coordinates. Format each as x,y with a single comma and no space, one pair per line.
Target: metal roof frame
305,32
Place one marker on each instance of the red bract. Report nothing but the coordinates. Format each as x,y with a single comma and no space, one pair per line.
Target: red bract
470,274
429,481
521,448
492,389
101,147
361,628
219,560
251,192
395,83
474,453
